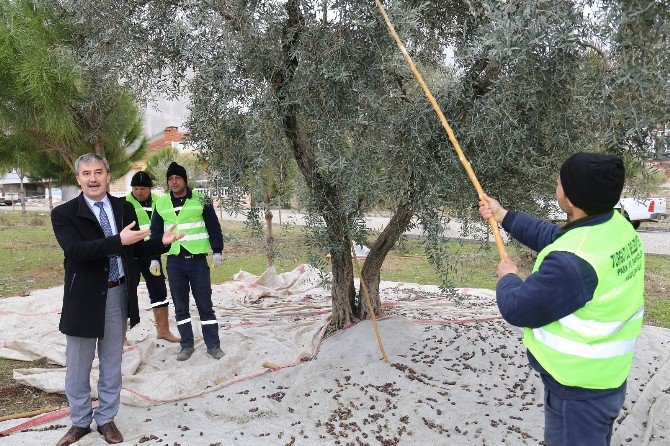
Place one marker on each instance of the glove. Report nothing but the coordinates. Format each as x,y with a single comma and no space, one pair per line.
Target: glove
155,268
217,259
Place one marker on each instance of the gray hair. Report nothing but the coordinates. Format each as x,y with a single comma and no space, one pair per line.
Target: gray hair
88,158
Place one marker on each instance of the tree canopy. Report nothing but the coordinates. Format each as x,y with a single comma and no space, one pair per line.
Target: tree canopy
524,85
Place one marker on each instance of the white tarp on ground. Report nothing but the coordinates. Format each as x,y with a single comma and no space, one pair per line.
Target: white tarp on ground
254,329
453,380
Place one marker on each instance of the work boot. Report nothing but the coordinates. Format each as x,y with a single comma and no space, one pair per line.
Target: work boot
162,325
215,353
185,353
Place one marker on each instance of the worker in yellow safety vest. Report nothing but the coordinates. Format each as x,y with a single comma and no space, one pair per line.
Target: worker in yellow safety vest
187,265
144,201
582,305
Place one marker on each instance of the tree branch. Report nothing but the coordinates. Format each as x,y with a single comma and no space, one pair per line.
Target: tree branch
593,47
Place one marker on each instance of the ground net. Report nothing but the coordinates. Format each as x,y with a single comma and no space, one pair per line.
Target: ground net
458,376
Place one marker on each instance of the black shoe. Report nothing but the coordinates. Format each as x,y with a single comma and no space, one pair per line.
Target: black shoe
185,353
215,353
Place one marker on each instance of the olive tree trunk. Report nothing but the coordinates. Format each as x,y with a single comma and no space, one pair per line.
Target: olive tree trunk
371,270
325,193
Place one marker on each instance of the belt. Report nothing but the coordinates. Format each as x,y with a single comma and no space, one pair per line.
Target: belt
190,256
117,282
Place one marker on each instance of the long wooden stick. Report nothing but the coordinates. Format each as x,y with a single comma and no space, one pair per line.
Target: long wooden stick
447,127
28,414
369,302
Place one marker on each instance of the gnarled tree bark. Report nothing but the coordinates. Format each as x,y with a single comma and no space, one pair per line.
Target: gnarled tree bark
371,270
327,194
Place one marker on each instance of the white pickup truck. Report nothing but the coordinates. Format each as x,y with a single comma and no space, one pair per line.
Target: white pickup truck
636,210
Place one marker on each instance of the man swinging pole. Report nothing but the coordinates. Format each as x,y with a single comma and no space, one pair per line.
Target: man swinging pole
582,306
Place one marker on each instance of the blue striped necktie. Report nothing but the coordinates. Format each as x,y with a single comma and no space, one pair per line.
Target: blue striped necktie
107,229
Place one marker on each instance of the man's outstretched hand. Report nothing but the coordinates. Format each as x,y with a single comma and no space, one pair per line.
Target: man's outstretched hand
129,237
169,236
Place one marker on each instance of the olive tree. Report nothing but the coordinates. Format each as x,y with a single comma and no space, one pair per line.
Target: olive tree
524,84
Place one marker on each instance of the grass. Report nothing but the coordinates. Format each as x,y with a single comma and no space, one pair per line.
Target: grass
657,290
16,398
31,259
33,246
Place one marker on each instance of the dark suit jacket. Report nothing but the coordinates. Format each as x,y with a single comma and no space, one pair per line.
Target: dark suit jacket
86,263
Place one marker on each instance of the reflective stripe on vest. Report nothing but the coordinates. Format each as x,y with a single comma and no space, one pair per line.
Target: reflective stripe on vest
591,328
143,220
182,226
591,351
593,347
189,222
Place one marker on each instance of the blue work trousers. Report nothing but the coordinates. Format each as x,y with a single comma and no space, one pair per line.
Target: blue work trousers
155,284
580,422
192,273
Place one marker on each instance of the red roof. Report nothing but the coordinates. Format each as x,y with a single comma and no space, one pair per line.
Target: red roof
170,134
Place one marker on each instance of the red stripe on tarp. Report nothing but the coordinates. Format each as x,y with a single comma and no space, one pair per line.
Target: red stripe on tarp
41,419
44,313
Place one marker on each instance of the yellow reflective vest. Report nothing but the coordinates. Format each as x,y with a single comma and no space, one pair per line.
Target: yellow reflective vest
189,221
593,347
143,219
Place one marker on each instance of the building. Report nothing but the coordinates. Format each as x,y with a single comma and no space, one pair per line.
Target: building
169,137
10,184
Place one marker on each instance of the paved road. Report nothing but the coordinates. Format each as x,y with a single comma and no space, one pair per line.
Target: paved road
655,242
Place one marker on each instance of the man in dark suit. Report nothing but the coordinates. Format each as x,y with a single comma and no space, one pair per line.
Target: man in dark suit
99,239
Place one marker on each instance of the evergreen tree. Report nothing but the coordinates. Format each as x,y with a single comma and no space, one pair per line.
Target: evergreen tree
50,102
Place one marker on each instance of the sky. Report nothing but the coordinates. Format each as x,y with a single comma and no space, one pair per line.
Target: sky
164,112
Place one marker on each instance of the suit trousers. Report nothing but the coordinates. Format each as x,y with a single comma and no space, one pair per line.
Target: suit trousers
80,353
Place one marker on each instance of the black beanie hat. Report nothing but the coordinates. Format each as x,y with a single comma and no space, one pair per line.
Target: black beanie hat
592,181
176,169
141,179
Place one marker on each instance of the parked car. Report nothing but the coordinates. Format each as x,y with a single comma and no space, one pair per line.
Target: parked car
7,202
7,198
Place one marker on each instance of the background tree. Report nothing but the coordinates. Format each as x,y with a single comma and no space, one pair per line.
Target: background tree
158,162
237,171
524,84
52,172
54,106
14,155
